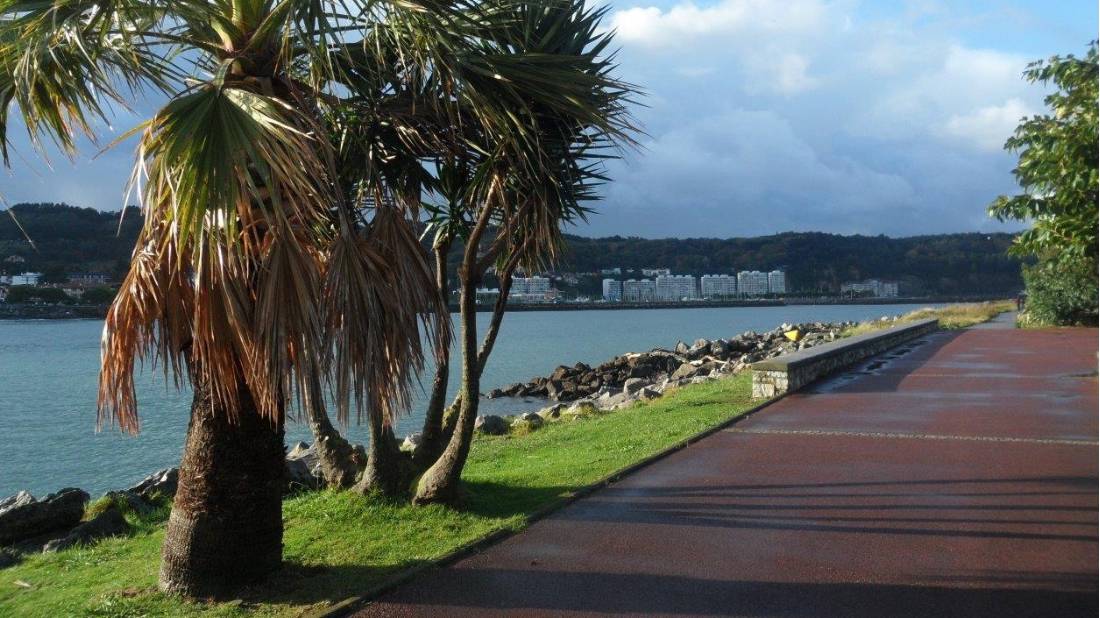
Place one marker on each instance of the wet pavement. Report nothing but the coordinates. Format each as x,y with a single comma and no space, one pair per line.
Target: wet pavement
955,476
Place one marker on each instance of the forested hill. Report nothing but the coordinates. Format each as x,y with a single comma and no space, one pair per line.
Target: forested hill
69,238
941,264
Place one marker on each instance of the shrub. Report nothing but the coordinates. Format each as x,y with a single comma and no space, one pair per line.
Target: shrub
1061,294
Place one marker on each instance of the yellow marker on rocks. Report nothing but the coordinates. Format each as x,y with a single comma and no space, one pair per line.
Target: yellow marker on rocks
793,335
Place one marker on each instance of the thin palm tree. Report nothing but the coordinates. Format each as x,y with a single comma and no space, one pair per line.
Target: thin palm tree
514,189
263,270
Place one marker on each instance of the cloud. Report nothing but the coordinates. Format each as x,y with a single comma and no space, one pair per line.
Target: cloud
686,23
988,127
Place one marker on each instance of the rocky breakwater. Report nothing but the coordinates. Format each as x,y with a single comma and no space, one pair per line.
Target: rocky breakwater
645,375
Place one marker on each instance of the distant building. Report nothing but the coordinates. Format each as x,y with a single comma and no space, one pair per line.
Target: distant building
777,282
485,296
530,290
871,287
611,271
671,288
15,259
639,291
26,279
656,272
3,294
612,290
752,283
718,286
88,278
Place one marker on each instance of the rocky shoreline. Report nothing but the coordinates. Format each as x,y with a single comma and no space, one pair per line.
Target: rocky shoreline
632,377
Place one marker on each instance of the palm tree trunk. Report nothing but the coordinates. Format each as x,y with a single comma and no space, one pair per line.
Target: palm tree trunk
226,527
340,461
440,483
433,437
384,473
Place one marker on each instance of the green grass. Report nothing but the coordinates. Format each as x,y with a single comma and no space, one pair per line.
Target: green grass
338,545
951,316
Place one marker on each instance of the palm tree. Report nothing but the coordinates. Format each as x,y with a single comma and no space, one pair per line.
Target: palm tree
263,270
516,187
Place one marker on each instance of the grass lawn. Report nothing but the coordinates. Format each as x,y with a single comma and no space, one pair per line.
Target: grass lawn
338,545
951,316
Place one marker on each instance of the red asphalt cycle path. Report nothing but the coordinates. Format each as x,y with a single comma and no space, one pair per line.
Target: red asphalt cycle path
956,476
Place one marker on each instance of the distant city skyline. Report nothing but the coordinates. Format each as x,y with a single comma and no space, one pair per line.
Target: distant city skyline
764,117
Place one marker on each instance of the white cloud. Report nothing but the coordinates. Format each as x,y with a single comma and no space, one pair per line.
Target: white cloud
988,127
683,24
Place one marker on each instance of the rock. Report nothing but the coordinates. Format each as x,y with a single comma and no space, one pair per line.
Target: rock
681,347
529,421
686,370
303,467
494,394
22,498
649,392
581,408
562,372
56,511
162,482
490,424
552,412
633,385
108,523
412,441
614,402
9,557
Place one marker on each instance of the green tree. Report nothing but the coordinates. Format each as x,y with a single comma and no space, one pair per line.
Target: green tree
1057,171
254,276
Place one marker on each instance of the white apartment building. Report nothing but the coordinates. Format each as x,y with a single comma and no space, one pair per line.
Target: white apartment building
676,287
530,290
639,291
752,283
874,287
718,286
656,272
777,282
26,279
612,290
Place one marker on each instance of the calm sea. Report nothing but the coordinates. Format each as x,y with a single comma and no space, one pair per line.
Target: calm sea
48,384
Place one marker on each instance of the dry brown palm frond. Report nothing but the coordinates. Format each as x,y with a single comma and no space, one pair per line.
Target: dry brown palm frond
289,325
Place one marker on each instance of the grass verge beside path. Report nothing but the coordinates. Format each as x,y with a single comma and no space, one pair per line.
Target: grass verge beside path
338,544
951,316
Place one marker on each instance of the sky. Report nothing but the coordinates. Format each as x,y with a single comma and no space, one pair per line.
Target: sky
766,116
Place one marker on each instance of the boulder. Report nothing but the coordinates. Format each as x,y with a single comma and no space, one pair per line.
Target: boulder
162,482
583,407
56,511
490,424
9,557
529,421
681,347
108,523
22,498
494,394
552,412
616,401
684,371
562,372
633,385
649,392
412,441
303,467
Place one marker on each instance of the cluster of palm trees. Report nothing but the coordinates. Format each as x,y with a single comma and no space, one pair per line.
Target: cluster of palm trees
302,146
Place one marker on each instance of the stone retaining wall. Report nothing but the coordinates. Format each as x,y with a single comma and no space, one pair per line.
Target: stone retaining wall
791,372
